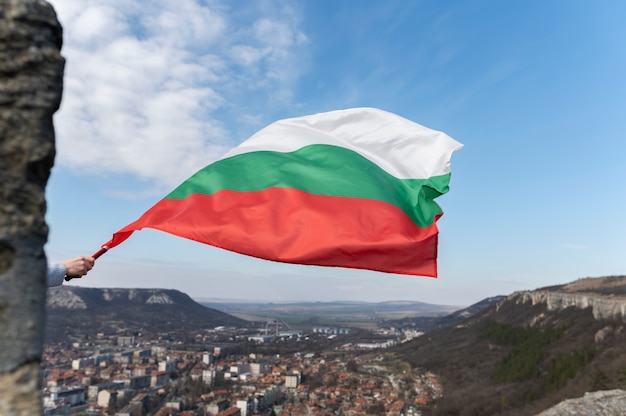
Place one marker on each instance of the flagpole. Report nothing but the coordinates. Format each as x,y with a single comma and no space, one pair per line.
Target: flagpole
95,255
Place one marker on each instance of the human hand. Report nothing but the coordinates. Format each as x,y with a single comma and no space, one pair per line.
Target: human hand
78,266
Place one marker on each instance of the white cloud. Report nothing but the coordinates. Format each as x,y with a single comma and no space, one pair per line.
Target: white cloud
95,20
246,55
185,23
144,82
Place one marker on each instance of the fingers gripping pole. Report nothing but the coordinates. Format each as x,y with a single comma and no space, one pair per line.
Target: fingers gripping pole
100,252
95,255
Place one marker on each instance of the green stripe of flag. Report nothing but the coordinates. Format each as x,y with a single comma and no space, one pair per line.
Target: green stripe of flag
321,170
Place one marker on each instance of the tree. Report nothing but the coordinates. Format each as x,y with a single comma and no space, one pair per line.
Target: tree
376,409
600,381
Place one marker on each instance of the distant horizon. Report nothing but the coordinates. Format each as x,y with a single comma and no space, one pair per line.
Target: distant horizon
263,301
251,300
227,300
205,299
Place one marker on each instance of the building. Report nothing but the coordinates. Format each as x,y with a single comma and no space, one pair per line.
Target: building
107,398
125,341
217,406
159,379
292,381
208,377
82,363
167,366
257,368
207,358
231,411
244,406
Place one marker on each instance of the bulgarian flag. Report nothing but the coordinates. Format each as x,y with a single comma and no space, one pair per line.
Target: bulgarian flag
350,188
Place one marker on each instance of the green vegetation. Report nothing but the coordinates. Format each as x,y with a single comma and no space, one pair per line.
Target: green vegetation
528,343
566,366
621,378
399,367
600,381
352,366
523,362
376,409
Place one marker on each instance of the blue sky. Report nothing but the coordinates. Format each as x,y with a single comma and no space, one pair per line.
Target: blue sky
535,90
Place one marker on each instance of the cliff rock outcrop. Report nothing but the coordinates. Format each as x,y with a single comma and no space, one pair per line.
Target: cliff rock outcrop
31,82
598,403
602,295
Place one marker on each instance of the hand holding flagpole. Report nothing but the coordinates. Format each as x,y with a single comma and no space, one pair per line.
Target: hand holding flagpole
97,254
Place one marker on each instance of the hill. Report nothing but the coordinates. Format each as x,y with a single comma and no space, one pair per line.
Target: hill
428,323
78,312
530,350
306,315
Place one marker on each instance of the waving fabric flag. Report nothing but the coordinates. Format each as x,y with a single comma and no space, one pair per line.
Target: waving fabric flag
350,188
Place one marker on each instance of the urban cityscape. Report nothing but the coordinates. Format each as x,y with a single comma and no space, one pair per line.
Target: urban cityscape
234,371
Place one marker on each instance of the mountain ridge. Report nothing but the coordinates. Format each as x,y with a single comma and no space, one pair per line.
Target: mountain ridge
530,350
80,312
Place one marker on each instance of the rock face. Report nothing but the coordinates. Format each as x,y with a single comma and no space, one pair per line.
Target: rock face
599,403
605,297
31,82
83,298
602,307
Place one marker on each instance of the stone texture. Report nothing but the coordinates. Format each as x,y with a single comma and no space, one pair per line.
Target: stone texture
603,307
31,83
598,403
